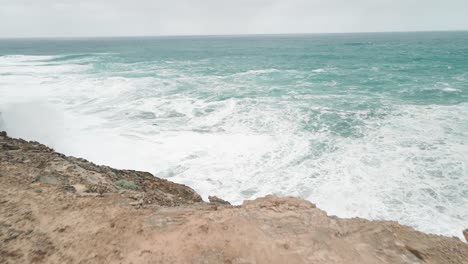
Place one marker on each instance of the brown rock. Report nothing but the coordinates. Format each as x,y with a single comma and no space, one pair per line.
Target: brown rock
10,147
217,200
51,168
64,224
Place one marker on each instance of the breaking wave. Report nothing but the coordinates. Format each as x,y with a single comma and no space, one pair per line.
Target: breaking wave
247,132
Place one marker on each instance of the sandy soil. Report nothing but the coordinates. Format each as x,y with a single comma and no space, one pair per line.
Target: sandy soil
59,209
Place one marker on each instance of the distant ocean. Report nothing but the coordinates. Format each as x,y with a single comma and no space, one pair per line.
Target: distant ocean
368,125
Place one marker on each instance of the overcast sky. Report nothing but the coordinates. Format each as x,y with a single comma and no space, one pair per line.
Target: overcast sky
72,18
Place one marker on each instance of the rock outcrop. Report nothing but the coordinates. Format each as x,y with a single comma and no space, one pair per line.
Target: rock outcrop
40,164
59,209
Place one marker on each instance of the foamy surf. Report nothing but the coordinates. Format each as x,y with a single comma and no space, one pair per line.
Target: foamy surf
356,141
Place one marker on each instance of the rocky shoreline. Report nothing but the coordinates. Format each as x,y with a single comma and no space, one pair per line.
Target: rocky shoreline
60,209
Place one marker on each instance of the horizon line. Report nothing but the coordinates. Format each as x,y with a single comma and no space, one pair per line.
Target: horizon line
230,35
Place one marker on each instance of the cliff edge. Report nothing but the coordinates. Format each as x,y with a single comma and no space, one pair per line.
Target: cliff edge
60,209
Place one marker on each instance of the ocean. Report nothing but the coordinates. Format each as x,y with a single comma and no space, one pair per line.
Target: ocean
368,125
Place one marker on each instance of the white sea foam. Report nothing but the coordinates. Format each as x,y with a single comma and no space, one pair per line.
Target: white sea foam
258,72
24,59
450,90
319,70
409,166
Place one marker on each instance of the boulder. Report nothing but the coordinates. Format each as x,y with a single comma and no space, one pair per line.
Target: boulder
217,200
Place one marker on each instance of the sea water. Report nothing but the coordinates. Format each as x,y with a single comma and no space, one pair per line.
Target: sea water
363,125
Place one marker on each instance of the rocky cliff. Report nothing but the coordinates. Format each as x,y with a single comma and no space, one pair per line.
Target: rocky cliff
59,209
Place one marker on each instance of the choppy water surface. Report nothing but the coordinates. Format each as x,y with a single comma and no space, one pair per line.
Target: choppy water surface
370,125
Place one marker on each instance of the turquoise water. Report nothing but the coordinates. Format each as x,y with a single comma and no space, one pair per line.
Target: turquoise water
370,125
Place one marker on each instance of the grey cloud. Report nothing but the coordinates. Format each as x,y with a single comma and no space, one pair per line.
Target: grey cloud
70,18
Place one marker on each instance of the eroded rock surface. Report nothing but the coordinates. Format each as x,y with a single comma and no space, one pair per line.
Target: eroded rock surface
59,209
39,164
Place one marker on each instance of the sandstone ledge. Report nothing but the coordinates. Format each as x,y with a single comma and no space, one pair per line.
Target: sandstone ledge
59,209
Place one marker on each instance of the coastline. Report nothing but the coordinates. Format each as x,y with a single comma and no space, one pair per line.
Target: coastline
60,209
